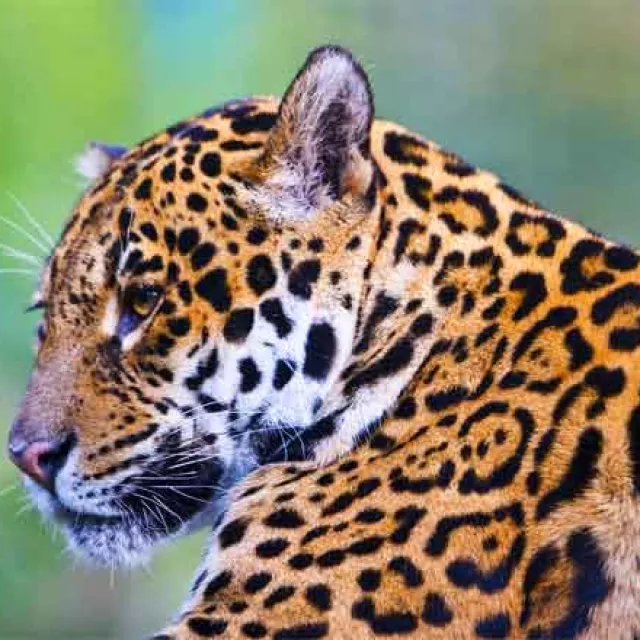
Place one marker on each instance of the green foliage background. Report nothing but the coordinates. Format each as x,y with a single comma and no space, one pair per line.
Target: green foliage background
544,92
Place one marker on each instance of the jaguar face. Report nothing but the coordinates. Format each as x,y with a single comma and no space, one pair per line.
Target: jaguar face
197,311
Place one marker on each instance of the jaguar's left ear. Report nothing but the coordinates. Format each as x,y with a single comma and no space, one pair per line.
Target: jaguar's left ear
97,158
318,150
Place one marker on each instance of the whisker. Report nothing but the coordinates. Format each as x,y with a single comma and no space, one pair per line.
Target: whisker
19,270
25,233
21,255
43,234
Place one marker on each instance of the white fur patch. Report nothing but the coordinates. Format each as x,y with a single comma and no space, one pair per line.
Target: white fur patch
96,159
92,162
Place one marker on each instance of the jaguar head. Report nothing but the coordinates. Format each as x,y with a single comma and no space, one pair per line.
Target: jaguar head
198,311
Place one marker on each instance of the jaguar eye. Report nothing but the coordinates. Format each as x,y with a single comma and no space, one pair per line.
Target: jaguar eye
142,300
138,303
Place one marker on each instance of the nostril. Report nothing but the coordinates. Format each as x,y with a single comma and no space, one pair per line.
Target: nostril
42,460
53,459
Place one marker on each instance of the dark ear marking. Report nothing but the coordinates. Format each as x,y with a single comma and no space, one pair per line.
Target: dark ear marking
320,141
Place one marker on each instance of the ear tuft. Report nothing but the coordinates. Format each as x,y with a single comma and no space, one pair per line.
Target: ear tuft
320,135
96,159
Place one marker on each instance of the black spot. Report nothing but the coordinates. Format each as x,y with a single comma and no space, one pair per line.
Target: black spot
302,277
168,172
396,622
272,548
320,350
283,373
532,285
254,630
207,627
250,375
238,325
196,202
578,477
202,256
580,350
284,519
406,408
143,191
369,579
383,307
319,597
149,231
204,370
229,221
316,245
253,123
417,188
447,295
394,360
273,313
577,278
232,533
186,175
408,570
261,275
278,595
187,240
369,516
331,558
354,243
406,229
405,149
256,236
366,546
540,564
301,561
217,584
422,325
407,519
435,611
210,164
620,258
257,582
179,326
497,626
590,583
214,288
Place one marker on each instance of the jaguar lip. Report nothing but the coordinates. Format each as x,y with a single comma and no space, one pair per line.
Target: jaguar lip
71,517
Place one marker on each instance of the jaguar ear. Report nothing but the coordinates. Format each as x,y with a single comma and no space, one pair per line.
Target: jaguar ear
318,149
97,158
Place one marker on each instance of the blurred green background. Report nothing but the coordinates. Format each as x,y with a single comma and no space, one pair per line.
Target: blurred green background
544,92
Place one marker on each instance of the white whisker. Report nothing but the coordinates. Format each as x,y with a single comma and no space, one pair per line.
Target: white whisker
25,233
39,228
20,255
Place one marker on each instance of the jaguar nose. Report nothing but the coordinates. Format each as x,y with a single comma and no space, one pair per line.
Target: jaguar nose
41,460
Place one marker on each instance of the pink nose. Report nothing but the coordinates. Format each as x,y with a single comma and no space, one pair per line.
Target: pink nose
40,460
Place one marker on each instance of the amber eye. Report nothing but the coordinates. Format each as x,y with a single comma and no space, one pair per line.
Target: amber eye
142,300
138,303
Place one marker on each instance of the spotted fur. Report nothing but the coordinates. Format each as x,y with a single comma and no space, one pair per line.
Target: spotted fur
405,394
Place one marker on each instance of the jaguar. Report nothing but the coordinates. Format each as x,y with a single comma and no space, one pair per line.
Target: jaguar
402,395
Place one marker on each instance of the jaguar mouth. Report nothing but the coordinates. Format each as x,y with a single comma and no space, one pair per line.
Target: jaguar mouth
149,509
